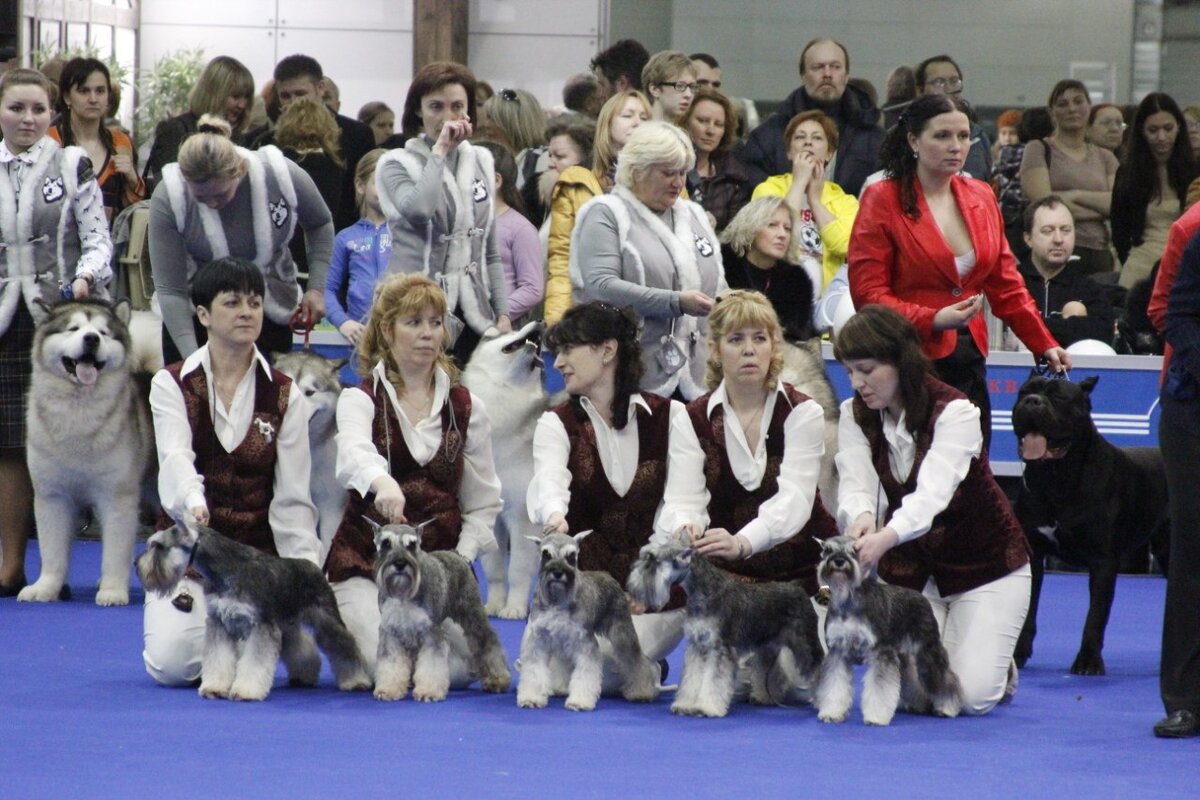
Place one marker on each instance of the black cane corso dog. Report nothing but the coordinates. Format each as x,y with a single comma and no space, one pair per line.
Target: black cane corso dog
1084,500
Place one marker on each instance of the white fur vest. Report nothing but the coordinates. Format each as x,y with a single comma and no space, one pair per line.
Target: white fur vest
449,246
40,240
273,201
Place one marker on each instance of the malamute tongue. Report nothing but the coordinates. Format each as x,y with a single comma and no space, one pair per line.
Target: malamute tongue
86,373
1032,447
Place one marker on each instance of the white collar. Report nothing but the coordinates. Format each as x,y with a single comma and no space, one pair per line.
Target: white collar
441,386
720,396
201,358
30,156
895,430
635,401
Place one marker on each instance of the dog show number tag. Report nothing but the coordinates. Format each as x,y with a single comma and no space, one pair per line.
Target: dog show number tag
183,601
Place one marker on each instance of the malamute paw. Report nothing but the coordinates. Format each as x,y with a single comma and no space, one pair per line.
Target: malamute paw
43,591
513,612
112,597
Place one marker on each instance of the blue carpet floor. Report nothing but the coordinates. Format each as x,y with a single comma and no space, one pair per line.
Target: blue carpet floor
79,718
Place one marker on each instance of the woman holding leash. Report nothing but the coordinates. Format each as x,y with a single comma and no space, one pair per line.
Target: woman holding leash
744,462
918,495
600,459
437,193
54,240
413,445
223,200
232,441
930,243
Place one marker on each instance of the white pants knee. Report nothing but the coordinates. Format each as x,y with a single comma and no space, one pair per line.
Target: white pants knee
980,628
173,640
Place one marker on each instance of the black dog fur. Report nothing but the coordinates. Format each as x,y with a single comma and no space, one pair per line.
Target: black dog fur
1083,500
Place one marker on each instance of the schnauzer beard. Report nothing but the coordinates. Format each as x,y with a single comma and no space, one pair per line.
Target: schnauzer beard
650,583
843,578
557,587
400,577
160,568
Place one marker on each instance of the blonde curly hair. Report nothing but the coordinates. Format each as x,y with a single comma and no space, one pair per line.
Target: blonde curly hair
735,310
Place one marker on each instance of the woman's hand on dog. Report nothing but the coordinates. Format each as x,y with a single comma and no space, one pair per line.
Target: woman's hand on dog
860,527
389,500
80,288
720,543
200,514
871,547
556,523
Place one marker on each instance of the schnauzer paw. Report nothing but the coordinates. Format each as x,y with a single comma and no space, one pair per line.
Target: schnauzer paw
685,710
249,696
829,716
880,722
513,612
356,685
40,592
389,694
497,684
214,692
1088,664
112,597
425,694
528,701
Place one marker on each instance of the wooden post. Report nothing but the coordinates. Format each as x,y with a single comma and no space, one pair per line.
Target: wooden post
439,31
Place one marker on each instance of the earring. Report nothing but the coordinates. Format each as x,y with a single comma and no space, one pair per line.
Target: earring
915,154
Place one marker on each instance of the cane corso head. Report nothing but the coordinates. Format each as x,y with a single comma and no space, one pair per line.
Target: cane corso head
1051,415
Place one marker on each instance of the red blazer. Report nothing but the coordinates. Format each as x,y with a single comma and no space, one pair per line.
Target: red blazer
906,264
1181,233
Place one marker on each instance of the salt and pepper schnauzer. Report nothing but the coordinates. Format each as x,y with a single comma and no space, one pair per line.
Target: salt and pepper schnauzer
890,628
424,599
774,623
560,649
259,606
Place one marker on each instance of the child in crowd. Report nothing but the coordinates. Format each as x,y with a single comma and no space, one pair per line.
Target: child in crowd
516,238
360,256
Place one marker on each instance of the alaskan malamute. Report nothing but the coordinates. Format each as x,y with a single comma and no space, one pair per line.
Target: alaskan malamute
89,442
804,368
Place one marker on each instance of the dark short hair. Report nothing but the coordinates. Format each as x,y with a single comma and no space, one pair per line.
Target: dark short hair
1048,201
227,274
1035,124
626,57
705,58
298,66
1064,86
578,92
75,74
923,67
429,78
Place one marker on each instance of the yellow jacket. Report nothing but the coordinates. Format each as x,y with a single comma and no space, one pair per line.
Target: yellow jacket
575,187
835,237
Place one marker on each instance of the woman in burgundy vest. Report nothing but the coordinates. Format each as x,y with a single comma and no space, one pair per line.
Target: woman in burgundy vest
910,453
600,460
413,446
744,463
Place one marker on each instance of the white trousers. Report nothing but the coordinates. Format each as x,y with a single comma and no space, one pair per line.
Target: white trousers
173,641
980,629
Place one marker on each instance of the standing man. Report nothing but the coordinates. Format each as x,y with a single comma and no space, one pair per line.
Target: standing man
300,76
941,75
824,72
619,68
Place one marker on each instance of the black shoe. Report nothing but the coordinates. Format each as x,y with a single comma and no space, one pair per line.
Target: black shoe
664,668
1180,724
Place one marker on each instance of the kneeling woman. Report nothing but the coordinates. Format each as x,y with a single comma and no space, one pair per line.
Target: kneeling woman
247,481
412,446
600,460
908,440
745,460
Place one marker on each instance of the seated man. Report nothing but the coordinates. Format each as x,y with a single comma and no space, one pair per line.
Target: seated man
232,439
1074,306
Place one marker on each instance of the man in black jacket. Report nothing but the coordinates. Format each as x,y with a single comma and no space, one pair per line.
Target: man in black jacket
824,72
1074,306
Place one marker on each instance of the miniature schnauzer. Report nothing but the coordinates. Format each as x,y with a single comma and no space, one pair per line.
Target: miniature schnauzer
426,600
258,605
773,623
890,628
561,651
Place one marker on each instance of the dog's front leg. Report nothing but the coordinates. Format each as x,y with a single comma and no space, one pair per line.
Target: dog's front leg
691,683
118,529
218,665
56,517
586,676
393,668
881,686
835,689
256,663
1102,585
719,677
431,676
533,686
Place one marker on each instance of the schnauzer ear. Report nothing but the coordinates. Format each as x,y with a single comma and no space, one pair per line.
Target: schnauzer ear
682,535
823,544
535,539
376,527
421,527
579,537
1088,383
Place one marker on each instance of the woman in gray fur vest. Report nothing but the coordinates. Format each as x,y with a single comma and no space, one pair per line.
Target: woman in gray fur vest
223,200
645,247
437,194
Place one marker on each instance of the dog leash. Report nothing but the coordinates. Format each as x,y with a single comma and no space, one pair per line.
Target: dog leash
301,323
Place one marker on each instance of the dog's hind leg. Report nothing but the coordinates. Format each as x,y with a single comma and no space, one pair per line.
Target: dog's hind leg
56,517
431,675
938,682
523,558
835,688
495,567
300,656
336,641
1102,585
218,666
586,677
118,516
256,663
1037,569
881,686
639,675
393,669
760,668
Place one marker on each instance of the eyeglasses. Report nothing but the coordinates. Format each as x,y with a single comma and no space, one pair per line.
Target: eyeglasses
680,86
1113,123
946,83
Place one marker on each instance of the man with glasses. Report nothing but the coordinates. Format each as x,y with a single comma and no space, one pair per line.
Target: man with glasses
824,73
941,75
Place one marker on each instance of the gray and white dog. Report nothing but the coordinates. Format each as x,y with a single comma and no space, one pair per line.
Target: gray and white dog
89,443
890,628
259,607
425,601
727,620
561,650
317,379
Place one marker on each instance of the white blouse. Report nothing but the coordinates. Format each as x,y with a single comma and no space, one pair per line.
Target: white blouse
957,438
359,461
550,490
292,516
784,514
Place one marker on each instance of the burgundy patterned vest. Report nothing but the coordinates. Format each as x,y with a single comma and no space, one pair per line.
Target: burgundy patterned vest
976,540
620,525
732,506
430,491
238,486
